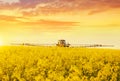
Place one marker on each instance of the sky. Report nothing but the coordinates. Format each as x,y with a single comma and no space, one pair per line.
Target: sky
46,21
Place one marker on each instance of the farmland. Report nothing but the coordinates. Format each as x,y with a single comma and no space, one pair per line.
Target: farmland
34,63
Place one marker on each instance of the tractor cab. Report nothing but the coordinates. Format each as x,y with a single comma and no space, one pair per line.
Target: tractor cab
62,43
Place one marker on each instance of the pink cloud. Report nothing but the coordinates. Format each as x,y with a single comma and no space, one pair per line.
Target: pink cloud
58,6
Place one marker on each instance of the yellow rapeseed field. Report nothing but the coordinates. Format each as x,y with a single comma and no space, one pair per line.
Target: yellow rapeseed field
34,63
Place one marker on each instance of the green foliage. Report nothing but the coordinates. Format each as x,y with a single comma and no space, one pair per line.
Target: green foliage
32,63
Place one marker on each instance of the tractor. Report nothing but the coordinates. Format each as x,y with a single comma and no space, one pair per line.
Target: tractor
62,43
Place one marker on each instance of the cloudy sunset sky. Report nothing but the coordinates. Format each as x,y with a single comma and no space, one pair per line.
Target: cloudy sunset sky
46,21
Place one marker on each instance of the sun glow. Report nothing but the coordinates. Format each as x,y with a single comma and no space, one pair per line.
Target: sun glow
1,43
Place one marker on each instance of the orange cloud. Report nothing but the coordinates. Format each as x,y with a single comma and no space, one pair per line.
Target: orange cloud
11,18
49,25
8,18
34,25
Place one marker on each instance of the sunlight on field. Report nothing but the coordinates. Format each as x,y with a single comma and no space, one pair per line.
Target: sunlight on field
27,63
